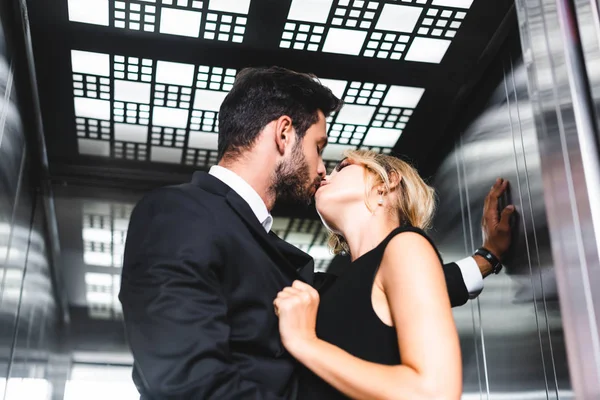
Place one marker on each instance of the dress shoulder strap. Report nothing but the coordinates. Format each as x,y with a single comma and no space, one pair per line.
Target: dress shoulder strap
405,228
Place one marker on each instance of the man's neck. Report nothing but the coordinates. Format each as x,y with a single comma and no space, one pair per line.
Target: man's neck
255,176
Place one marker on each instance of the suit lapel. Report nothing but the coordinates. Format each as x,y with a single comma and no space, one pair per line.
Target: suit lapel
283,260
287,257
305,265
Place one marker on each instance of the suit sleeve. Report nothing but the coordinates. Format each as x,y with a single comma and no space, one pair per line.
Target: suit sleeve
457,290
174,309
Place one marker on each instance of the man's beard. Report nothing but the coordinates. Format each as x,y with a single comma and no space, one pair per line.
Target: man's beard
291,180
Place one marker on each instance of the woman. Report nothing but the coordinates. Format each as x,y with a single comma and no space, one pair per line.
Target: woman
384,329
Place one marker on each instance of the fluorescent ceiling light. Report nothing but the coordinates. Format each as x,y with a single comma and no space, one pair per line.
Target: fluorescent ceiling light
166,155
180,22
131,133
172,117
203,140
382,137
122,224
398,18
453,3
320,253
335,152
174,73
25,388
98,279
94,390
89,63
210,100
232,6
316,11
355,114
134,92
92,108
427,50
97,298
92,147
97,258
97,235
344,41
403,96
88,11
299,238
336,86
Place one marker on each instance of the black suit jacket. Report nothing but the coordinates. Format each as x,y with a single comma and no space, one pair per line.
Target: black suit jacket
199,278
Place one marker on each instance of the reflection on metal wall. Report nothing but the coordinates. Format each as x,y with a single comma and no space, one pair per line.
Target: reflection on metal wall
561,45
30,366
511,336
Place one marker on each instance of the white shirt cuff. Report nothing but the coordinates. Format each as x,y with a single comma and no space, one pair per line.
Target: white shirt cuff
471,275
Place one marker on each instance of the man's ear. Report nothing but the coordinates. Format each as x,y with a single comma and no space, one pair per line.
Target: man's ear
284,133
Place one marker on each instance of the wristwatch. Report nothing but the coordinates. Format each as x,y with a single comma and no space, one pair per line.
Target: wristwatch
492,259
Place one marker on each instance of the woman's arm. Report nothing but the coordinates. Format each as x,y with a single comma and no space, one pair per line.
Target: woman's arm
414,285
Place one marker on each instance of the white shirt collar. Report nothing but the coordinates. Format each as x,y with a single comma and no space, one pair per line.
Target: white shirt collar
246,192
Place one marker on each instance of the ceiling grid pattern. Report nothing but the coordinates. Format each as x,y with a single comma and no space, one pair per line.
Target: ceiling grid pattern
158,111
165,112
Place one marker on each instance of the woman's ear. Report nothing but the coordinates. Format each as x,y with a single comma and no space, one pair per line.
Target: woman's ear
380,189
395,179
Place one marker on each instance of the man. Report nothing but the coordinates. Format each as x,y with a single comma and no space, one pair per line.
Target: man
201,267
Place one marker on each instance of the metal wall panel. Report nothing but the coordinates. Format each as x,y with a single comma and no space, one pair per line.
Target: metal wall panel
511,336
31,364
561,42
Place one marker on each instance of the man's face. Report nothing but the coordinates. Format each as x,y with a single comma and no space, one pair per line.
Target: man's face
299,175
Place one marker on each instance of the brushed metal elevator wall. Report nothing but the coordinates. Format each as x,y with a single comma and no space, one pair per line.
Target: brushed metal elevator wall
512,335
30,364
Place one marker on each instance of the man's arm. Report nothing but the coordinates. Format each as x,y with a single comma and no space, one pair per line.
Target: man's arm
174,309
464,278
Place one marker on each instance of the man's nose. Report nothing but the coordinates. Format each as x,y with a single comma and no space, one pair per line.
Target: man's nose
321,170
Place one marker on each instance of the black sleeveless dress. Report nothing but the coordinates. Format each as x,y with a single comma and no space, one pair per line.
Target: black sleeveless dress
346,319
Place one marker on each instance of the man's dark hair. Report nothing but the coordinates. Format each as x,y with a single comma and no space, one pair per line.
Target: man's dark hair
261,95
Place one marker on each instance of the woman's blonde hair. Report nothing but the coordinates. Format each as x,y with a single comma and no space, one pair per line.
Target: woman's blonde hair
414,200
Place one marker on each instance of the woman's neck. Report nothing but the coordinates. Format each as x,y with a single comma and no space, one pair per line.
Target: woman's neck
365,231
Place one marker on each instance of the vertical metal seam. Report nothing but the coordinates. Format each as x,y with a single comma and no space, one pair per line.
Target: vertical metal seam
457,148
533,228
475,303
517,170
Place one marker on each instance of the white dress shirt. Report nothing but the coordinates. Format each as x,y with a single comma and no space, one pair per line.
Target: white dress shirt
468,266
246,192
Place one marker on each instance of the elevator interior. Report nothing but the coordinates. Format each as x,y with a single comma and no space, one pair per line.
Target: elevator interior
104,100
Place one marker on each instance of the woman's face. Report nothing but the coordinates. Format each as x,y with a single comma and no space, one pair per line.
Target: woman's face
344,187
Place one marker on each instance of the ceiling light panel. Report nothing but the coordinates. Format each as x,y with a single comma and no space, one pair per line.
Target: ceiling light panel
104,232
102,290
148,110
368,106
222,20
411,30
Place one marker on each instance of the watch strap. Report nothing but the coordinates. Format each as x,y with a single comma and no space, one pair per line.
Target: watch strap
492,259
